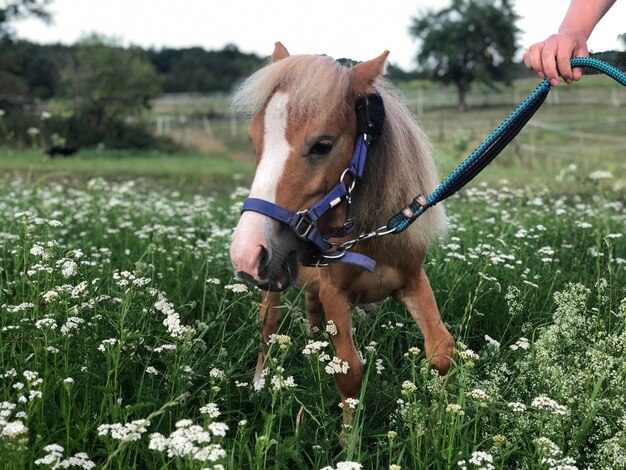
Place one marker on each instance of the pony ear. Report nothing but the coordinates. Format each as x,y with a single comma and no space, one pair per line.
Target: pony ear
364,74
280,52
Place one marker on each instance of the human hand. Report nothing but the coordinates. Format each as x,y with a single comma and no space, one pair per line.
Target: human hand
551,57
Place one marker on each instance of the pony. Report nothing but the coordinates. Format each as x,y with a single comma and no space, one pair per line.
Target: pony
304,129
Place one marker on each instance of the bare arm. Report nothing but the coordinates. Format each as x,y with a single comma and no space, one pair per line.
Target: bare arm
551,57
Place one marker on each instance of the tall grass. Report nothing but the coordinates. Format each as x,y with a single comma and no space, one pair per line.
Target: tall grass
126,343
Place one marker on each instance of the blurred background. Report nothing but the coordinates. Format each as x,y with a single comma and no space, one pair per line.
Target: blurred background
128,89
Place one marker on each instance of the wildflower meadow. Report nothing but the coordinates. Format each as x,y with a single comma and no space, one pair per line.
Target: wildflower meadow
125,341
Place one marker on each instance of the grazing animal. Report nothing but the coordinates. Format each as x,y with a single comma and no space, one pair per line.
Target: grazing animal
60,150
304,131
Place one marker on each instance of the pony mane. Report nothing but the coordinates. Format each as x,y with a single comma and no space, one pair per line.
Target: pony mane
317,84
399,164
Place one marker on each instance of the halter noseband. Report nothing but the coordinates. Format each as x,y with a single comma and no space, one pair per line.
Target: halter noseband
370,116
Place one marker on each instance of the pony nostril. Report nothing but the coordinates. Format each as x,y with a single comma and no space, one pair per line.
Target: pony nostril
263,263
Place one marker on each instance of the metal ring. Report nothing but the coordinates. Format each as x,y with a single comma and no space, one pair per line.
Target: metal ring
343,176
384,230
335,255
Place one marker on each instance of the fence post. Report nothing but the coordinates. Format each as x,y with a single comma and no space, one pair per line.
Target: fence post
615,98
233,125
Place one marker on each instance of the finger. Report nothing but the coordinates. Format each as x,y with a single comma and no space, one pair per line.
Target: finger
579,52
534,56
563,56
548,58
526,58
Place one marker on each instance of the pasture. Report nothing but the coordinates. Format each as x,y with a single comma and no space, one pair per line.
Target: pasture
125,342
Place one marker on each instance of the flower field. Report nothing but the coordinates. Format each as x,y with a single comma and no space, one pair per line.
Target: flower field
125,341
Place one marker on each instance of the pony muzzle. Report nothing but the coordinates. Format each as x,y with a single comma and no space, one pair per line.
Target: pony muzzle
267,255
273,275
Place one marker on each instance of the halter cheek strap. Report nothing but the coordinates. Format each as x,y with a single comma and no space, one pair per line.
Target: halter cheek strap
304,223
370,119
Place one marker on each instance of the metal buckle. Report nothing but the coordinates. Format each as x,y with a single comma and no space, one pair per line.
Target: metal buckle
314,261
304,225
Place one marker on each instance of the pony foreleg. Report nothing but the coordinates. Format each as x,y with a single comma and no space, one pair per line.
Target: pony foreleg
314,311
348,382
270,316
418,298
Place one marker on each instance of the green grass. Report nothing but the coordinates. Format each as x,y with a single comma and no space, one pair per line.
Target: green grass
95,282
185,170
120,318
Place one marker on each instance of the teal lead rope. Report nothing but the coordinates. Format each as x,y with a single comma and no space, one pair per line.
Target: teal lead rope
492,146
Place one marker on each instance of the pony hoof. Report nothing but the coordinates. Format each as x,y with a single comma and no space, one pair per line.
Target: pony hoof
349,439
441,358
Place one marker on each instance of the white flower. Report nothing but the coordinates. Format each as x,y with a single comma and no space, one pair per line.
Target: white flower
172,318
46,323
600,175
408,387
455,409
313,347
545,403
151,370
279,382
492,342
237,288
482,460
73,323
218,429
337,366
349,465
217,373
468,354
37,250
107,342
12,429
210,409
283,341
69,268
30,375
478,394
190,441
331,328
351,403
50,296
125,432
517,407
345,465
521,344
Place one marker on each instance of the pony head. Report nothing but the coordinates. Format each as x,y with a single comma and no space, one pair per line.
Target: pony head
303,129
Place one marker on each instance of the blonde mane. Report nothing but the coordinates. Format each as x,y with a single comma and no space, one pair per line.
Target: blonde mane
399,165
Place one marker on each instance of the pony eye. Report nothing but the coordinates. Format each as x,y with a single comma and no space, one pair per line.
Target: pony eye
322,146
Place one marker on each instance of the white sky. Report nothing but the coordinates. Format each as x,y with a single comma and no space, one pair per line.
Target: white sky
358,29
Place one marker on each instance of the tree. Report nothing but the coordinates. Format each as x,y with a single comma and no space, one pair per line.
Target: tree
197,70
107,85
470,41
18,9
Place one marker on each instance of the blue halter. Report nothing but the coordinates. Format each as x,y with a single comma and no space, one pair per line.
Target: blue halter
370,118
